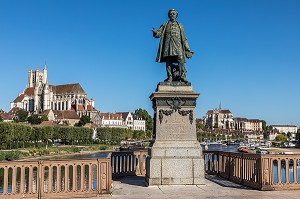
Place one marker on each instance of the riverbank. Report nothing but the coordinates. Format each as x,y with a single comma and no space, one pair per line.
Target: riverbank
64,156
57,152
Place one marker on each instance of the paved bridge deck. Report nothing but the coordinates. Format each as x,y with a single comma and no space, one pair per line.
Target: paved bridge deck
134,187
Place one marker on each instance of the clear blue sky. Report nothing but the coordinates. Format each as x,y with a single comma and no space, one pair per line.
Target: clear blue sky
247,53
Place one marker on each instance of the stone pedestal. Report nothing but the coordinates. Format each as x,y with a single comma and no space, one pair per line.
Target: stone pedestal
175,156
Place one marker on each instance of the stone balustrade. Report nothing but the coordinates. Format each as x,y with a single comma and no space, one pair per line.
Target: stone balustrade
126,163
55,178
259,171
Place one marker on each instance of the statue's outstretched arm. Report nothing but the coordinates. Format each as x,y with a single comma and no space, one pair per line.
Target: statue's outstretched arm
157,33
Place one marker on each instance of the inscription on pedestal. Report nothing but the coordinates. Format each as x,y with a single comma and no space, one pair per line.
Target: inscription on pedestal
175,126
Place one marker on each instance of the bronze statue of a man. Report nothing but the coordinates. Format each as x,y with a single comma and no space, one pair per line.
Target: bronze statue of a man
173,48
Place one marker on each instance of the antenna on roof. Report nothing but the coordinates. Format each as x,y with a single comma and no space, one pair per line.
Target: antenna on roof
220,105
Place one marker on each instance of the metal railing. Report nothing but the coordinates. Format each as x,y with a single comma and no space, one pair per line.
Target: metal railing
55,178
259,171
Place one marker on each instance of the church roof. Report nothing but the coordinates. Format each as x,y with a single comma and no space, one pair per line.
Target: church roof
90,108
224,111
67,89
66,114
19,98
29,91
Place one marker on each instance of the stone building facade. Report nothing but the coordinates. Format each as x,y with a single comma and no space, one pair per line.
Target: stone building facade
219,118
39,96
224,119
248,125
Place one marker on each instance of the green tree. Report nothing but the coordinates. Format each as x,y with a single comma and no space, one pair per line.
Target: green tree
1,119
200,126
21,115
44,118
264,125
34,119
281,138
298,135
83,120
266,135
289,135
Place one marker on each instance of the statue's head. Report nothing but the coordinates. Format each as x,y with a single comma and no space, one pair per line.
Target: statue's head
172,14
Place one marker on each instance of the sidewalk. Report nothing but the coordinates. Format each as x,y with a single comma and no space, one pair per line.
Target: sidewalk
134,188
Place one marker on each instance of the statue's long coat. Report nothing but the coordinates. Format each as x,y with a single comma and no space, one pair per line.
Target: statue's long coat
160,34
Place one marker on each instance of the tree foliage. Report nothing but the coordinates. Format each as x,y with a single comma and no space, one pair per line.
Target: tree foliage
16,135
21,115
200,126
83,120
109,135
281,138
298,135
142,113
34,119
264,125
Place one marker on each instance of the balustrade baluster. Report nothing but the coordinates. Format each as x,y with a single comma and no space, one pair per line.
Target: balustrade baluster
287,171
74,185
58,178
30,179
295,170
90,176
82,177
22,180
66,184
50,179
14,180
5,182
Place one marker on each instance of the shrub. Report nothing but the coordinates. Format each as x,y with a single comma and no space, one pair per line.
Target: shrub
9,155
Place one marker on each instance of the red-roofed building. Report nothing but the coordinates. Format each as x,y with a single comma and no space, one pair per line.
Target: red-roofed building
39,96
6,117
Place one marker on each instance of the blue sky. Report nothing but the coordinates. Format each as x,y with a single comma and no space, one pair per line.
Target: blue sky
247,53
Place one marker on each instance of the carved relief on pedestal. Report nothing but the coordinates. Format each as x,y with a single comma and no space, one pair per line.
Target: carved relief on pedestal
175,104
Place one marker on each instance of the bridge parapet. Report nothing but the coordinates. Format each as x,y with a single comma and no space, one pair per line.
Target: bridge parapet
259,171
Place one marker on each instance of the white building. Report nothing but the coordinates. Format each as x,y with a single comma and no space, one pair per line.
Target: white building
286,129
248,125
113,120
121,120
139,124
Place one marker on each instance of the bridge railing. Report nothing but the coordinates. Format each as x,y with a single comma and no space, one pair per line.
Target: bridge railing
55,178
259,171
126,163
